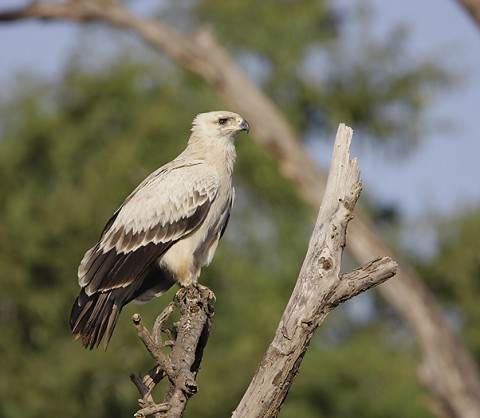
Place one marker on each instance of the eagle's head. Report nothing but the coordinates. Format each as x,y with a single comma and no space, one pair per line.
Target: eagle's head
219,124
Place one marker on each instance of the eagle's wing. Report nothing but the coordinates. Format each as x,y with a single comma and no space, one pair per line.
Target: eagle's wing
166,207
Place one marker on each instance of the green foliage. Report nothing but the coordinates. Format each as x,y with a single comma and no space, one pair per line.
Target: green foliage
296,52
453,273
71,151
364,383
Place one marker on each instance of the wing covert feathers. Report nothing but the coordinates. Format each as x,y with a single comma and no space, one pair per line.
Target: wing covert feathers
144,227
150,221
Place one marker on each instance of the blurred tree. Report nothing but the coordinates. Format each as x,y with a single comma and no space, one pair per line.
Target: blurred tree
453,273
71,151
300,60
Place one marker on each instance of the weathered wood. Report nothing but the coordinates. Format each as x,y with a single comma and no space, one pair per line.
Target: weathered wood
187,340
318,290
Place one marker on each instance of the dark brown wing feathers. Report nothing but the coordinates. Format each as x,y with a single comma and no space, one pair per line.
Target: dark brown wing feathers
113,278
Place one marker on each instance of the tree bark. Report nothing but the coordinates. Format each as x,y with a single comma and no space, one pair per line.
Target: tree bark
318,290
186,342
448,369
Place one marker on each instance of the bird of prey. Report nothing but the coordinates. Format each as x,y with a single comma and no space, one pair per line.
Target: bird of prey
165,231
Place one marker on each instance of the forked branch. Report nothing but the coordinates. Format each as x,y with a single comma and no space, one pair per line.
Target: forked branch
185,343
319,287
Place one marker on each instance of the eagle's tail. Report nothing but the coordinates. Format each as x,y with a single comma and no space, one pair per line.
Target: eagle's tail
94,316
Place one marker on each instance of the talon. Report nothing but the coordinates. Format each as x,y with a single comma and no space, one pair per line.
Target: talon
179,295
203,289
212,298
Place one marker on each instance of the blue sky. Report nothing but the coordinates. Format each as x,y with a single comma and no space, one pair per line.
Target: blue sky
442,176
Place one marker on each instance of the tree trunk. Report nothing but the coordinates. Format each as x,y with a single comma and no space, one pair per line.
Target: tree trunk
318,290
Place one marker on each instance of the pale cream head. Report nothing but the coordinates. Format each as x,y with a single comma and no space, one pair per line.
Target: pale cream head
219,124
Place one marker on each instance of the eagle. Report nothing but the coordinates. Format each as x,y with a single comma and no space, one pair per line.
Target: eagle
165,231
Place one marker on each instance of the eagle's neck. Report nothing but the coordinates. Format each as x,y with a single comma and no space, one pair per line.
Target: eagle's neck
230,156
219,152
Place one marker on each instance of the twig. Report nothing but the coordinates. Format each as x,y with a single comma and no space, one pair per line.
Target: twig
361,279
159,322
153,409
155,350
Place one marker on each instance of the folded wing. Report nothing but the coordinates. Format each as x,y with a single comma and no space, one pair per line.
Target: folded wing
167,207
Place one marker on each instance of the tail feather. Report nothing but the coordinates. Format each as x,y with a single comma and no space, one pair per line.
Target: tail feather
95,316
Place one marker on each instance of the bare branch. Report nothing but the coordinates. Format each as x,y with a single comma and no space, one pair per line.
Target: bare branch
318,289
361,279
71,10
154,349
182,363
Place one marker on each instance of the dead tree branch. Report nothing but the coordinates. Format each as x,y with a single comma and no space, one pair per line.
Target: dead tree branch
442,353
187,340
319,287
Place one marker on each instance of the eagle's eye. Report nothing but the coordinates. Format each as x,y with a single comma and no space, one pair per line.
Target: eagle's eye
222,121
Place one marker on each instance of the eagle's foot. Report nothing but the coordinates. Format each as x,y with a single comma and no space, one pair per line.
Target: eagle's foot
204,289
210,296
196,291
179,296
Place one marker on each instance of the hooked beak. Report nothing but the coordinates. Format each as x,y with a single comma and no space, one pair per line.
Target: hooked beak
244,126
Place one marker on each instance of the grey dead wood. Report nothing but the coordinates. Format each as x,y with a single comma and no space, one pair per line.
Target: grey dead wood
319,287
447,368
178,357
